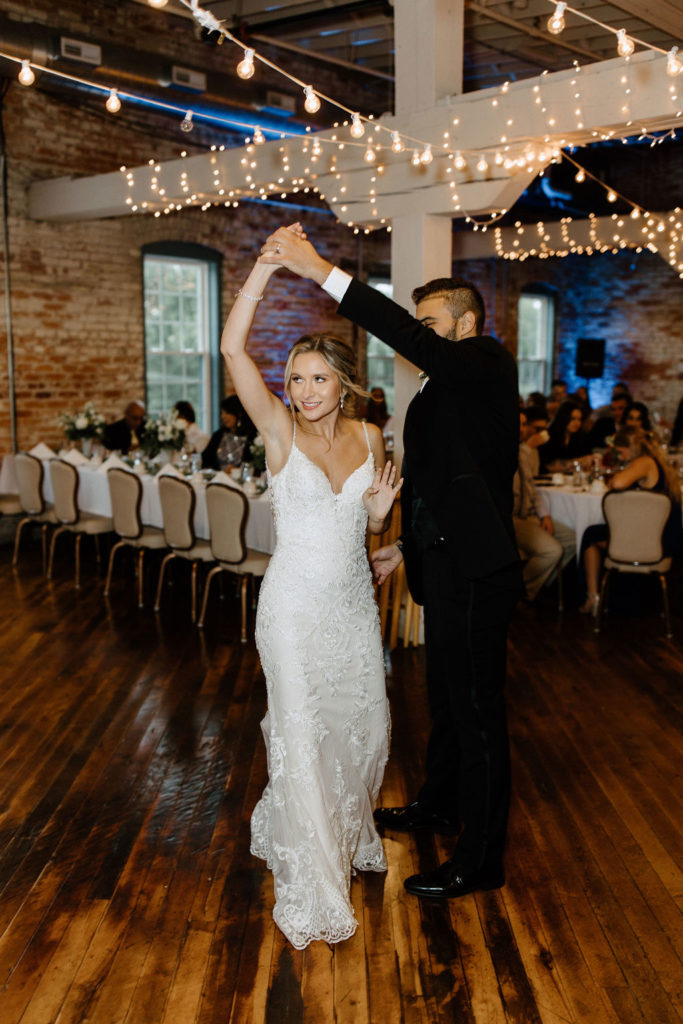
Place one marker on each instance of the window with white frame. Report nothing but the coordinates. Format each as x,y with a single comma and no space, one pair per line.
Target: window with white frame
379,357
179,349
535,341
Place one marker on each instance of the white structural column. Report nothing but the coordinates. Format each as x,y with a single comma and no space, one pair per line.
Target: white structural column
429,55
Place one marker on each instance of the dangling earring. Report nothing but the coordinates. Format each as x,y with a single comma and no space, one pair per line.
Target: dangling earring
341,402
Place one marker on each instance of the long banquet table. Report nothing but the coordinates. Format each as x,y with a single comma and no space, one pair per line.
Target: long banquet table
575,508
93,496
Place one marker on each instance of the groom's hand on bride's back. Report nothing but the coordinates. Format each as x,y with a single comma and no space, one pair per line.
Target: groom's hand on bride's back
384,561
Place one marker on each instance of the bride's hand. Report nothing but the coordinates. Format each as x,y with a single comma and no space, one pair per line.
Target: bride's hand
381,494
271,247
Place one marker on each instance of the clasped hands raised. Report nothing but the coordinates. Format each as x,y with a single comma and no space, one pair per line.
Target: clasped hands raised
289,247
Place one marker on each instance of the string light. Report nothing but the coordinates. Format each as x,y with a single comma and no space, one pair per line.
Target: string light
611,196
482,165
186,124
259,137
396,143
625,45
157,3
426,156
113,103
460,161
580,176
673,64
312,102
369,155
357,128
415,158
245,68
26,75
556,21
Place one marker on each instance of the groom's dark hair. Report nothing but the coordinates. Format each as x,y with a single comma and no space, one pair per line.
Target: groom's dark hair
461,297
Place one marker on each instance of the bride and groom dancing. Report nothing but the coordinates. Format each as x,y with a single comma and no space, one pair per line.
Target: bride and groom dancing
326,729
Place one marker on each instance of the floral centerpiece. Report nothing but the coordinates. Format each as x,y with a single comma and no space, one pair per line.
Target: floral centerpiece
257,454
86,425
162,432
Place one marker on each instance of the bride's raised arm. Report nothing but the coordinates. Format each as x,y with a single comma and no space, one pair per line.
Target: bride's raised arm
265,409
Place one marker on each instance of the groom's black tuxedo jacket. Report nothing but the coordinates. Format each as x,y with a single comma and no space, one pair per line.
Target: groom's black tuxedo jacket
461,438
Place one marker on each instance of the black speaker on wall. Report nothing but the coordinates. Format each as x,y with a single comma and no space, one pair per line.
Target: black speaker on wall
590,358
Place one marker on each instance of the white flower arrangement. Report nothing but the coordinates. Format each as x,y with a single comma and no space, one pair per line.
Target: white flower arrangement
85,423
257,454
163,431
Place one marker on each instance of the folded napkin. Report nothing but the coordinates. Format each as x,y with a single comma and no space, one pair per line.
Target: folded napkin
75,457
41,451
113,462
170,470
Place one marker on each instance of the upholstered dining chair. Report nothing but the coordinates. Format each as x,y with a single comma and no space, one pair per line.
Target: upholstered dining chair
228,510
636,521
10,505
29,472
70,517
178,502
125,491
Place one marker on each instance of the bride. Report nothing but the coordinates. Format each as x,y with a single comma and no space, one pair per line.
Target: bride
326,729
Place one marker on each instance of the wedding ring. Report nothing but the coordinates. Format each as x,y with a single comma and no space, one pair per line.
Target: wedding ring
277,248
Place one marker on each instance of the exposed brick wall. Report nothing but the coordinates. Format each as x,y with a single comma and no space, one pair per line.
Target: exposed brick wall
76,288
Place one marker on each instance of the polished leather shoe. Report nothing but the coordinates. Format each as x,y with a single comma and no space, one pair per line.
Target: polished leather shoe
415,818
449,880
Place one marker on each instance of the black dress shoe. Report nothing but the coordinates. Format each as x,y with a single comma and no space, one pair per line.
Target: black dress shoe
415,818
449,880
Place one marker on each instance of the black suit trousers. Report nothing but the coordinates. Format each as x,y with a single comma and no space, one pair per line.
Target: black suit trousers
468,760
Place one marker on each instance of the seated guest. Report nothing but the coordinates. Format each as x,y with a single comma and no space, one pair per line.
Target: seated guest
124,435
558,390
234,421
605,426
637,415
535,434
677,431
568,440
378,413
536,400
647,468
542,541
195,437
620,389
581,398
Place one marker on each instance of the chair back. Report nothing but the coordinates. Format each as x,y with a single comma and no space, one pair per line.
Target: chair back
64,478
178,502
125,491
29,472
636,521
228,510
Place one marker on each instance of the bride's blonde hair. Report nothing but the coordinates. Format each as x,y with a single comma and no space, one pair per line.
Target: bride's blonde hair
340,358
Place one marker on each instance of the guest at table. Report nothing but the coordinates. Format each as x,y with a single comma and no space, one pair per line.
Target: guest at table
378,414
646,468
537,400
606,426
568,440
543,542
124,435
535,436
637,415
581,398
187,421
234,422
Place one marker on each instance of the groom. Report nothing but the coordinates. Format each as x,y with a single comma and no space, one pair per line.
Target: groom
460,439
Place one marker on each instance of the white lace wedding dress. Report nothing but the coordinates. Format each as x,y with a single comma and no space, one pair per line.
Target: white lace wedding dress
327,725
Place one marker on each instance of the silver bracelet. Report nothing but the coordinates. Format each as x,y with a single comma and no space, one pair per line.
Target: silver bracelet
252,298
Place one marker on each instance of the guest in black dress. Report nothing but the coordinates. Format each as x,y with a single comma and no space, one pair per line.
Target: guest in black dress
646,468
568,440
234,420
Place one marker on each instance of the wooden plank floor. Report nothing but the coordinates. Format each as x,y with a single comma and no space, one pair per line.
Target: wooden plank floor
130,760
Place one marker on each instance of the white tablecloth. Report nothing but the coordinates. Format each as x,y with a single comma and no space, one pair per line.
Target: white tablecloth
93,496
577,509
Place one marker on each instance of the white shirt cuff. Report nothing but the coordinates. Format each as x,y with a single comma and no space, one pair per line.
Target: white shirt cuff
336,283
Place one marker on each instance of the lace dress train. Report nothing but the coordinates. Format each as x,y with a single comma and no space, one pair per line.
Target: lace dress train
327,726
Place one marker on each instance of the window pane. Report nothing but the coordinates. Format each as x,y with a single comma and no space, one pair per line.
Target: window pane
536,314
170,308
189,309
190,337
171,277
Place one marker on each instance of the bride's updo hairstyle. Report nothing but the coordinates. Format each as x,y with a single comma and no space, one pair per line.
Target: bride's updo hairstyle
340,358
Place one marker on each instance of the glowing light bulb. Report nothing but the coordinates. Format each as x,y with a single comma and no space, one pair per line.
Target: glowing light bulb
396,143
673,64
357,128
157,3
311,103
369,155
245,68
482,165
426,156
498,159
580,176
415,158
26,76
460,162
113,103
259,137
186,124
625,45
611,196
556,21
635,213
